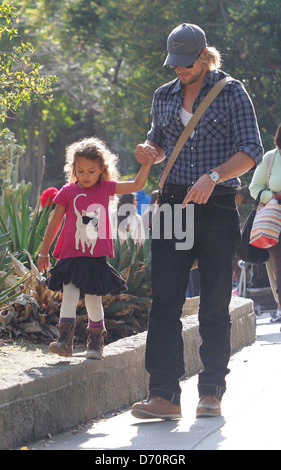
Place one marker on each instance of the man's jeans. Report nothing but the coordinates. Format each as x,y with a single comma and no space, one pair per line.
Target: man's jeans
216,236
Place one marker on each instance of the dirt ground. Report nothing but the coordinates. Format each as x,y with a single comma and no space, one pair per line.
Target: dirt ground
17,357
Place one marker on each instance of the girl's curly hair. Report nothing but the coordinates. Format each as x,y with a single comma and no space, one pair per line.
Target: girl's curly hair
94,149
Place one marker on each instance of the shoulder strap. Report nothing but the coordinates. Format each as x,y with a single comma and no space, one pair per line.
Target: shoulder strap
191,125
269,159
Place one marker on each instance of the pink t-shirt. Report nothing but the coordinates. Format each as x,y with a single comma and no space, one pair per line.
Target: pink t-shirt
86,229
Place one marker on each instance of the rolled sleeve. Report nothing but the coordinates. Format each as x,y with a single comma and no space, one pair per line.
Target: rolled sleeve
244,124
156,135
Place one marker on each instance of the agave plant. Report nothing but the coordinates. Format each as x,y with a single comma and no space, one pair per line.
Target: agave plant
26,230
21,234
22,288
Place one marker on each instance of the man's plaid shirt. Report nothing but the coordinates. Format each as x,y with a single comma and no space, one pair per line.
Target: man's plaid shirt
228,126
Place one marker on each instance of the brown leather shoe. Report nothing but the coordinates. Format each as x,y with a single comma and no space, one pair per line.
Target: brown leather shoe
156,407
208,406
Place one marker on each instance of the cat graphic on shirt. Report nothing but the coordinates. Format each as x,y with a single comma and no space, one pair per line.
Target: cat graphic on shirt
86,227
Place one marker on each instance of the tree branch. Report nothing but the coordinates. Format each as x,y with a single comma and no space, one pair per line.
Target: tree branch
224,15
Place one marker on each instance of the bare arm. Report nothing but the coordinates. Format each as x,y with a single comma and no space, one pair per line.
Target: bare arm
125,187
52,230
237,165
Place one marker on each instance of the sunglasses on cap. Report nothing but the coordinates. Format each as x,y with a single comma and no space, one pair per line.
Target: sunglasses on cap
173,67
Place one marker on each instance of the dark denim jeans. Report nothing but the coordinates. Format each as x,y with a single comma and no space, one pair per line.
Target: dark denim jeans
216,236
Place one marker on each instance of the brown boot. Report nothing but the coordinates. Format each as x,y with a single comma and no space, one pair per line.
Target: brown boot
208,406
156,407
64,344
95,343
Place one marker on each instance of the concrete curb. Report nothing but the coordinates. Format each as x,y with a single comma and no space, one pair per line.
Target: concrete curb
73,391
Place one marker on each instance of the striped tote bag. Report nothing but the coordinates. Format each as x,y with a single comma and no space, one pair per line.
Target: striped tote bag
267,225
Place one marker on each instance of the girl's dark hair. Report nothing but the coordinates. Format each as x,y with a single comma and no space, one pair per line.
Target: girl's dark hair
277,138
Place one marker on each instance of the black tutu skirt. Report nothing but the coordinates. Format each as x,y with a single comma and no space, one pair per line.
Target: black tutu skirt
93,276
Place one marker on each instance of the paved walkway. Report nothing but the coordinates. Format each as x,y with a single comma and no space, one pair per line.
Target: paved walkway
251,411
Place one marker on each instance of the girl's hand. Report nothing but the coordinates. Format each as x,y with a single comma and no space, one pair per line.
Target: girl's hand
145,154
43,262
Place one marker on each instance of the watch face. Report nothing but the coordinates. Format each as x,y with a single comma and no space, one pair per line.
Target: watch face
214,176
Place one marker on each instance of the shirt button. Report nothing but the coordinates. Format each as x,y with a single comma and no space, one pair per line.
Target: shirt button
191,148
191,165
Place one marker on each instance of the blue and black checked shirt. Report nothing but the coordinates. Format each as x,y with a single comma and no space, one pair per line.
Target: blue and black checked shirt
229,125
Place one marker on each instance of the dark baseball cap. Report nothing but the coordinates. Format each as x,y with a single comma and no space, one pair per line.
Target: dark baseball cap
183,45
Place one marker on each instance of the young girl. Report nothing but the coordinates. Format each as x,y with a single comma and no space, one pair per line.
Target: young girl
85,240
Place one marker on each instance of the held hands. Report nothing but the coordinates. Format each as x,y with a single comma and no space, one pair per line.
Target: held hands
200,192
145,154
43,262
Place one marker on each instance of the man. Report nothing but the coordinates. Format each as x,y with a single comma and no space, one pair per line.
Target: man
224,145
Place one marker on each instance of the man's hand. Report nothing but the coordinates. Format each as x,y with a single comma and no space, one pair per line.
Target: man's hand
200,192
146,154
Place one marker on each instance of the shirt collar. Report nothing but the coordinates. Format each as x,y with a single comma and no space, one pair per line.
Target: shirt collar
177,88
212,77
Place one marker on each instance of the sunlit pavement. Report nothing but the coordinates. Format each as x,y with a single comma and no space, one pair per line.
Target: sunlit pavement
251,411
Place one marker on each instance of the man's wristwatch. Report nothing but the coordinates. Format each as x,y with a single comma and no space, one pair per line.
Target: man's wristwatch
215,177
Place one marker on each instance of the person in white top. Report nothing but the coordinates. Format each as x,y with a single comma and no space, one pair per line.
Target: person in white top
271,187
